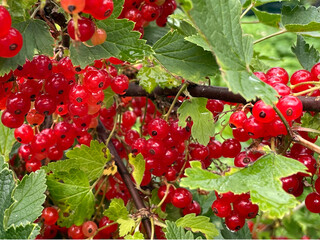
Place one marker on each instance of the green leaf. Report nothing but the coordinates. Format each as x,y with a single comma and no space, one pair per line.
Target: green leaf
203,122
29,231
136,235
130,48
28,198
300,19
180,22
6,140
250,87
243,233
184,58
7,185
151,77
205,201
36,40
91,160
307,55
198,40
108,97
311,121
125,226
152,33
257,65
139,164
175,232
117,9
270,19
198,224
226,36
71,192
262,180
116,210
185,4
19,9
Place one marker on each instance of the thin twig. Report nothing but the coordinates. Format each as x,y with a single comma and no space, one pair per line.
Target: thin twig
247,10
270,36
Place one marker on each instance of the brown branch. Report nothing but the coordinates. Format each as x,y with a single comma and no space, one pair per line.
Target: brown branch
125,175
212,92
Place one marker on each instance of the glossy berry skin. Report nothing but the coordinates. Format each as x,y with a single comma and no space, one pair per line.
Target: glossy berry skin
313,202
278,72
86,29
199,152
50,215
234,221
237,118
89,228
215,106
18,104
78,95
5,20
243,159
11,120
193,207
221,208
104,9
215,149
150,12
128,119
42,67
262,112
11,44
300,77
315,72
24,134
73,6
99,37
240,134
108,230
94,81
45,104
317,185
290,184
120,84
291,107
254,128
231,148
162,191
310,162
261,75
158,128
181,198
75,232
32,166
155,148
245,208
282,89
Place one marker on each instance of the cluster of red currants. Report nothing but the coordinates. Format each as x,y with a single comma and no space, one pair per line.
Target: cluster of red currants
235,209
82,28
11,40
47,87
88,229
142,12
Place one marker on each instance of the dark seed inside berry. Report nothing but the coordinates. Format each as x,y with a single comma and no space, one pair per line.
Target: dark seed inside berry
289,112
107,13
262,114
19,139
154,133
79,99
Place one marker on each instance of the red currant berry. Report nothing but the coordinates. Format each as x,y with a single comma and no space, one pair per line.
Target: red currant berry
290,184
221,208
73,6
215,149
75,232
105,221
278,72
86,29
89,228
237,118
11,44
231,148
262,112
5,20
50,215
158,128
24,134
162,191
193,207
291,107
313,202
234,221
120,84
181,198
300,77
